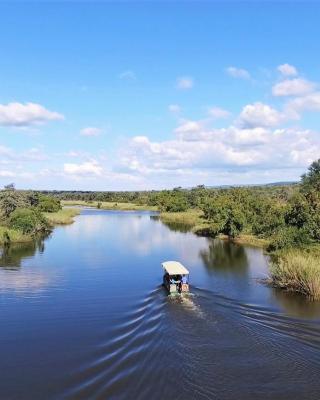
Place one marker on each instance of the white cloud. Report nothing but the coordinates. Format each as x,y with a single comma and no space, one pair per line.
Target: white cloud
259,115
190,130
24,115
310,102
230,149
90,131
218,113
238,73
85,169
293,87
287,70
6,174
174,108
185,83
188,126
128,75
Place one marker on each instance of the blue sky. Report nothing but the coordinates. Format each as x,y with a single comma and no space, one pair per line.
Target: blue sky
146,95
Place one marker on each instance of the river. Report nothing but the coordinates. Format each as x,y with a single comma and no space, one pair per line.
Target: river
84,316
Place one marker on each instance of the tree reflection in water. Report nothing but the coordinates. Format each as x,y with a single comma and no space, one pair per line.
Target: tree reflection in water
12,255
296,305
225,257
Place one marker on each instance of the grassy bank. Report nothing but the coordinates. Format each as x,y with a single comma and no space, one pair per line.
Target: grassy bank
62,217
106,205
13,236
195,221
191,218
297,271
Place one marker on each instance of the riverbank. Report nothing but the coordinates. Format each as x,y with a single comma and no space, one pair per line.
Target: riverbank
297,271
195,221
61,217
106,205
9,235
294,270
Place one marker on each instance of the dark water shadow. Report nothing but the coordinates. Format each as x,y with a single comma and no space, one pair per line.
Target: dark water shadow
12,255
225,257
296,305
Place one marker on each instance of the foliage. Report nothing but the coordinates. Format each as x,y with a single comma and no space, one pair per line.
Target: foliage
297,272
225,214
62,217
172,201
9,235
311,180
49,204
9,201
288,237
28,221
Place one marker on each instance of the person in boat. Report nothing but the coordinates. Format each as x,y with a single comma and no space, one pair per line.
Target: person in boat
178,283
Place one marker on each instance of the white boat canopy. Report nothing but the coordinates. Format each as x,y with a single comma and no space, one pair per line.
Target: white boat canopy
174,268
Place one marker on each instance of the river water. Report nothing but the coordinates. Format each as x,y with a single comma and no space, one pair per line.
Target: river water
83,315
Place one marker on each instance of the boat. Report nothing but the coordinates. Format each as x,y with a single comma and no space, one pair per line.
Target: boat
175,277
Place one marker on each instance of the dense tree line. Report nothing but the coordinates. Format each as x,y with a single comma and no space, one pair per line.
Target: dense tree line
287,215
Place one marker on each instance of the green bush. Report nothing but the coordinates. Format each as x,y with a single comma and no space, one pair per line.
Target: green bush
49,204
28,221
288,237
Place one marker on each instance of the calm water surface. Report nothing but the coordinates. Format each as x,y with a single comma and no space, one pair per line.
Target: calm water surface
83,316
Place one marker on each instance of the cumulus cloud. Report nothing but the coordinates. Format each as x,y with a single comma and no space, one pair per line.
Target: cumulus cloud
293,87
85,169
230,149
24,115
310,102
287,70
259,115
90,131
185,83
128,75
218,113
238,73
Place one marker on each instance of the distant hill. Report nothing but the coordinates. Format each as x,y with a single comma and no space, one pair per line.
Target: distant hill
284,183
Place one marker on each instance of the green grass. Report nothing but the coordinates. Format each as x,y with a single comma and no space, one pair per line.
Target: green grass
297,271
251,240
190,217
62,217
106,205
14,235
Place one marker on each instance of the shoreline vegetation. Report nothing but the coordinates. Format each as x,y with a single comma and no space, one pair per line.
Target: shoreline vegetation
65,216
283,219
109,205
26,216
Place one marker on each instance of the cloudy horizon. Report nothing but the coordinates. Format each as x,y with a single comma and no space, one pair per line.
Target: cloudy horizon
96,111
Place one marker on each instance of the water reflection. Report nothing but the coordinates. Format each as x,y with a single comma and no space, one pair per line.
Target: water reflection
12,255
177,226
225,257
93,294
296,305
16,277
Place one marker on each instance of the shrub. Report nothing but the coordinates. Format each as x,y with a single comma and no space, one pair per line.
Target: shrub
289,236
28,221
49,204
268,219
